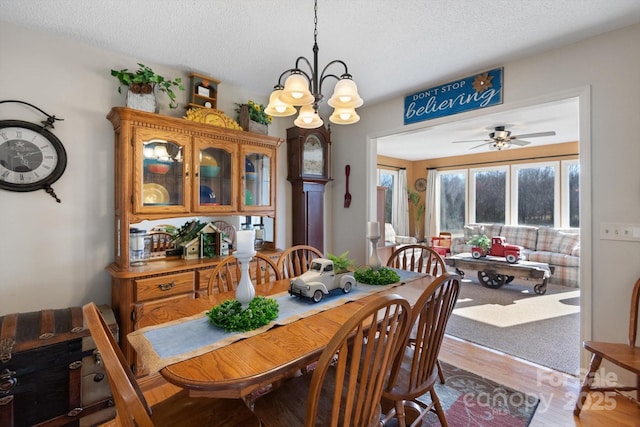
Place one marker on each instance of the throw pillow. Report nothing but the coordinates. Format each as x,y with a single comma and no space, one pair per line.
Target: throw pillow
492,230
565,243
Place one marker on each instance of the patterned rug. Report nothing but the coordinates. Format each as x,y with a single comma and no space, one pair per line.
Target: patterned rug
472,401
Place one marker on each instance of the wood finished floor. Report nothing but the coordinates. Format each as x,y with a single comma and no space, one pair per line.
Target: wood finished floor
557,391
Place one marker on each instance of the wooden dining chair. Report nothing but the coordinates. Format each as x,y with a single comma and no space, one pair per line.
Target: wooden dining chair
442,243
626,356
346,386
421,259
418,258
160,242
296,260
132,408
226,275
414,372
228,229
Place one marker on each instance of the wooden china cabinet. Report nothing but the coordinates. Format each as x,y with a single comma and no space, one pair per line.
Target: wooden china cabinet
167,167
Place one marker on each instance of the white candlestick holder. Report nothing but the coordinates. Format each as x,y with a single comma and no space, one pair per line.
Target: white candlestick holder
245,292
374,260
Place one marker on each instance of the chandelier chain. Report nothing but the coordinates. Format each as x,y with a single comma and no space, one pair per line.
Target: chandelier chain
315,22
303,88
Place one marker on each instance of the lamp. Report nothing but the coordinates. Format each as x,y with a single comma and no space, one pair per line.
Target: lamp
501,139
304,89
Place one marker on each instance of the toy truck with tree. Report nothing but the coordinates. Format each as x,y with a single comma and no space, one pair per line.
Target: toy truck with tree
499,247
319,280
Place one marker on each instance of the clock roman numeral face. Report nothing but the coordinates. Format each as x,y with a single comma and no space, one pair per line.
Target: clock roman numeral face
26,156
312,156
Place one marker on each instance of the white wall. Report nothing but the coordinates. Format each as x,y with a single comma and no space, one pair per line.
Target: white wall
54,255
608,65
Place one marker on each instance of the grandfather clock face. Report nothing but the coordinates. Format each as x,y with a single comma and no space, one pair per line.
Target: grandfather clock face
308,155
313,156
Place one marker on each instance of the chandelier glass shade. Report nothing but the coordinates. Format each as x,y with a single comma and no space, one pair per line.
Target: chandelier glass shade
308,118
303,88
277,108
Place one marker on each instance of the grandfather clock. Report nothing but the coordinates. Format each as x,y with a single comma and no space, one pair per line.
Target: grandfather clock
309,169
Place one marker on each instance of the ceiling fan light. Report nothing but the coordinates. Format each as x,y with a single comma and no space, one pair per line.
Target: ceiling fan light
345,95
296,91
308,118
277,108
344,116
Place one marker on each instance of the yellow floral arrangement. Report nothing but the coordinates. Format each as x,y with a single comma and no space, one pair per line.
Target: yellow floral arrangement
256,112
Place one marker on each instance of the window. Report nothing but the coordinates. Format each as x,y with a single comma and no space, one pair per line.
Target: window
540,194
389,178
488,194
536,191
452,203
571,192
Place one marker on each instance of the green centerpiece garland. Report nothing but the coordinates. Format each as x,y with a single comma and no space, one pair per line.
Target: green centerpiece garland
232,318
381,276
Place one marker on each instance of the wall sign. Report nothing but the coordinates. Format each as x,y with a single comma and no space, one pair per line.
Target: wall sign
471,93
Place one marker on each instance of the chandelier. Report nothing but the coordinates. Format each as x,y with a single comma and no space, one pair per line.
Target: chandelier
304,89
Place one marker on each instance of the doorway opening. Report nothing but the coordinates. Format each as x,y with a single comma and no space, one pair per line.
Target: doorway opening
568,301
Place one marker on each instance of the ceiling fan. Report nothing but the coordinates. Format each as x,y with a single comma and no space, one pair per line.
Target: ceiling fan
501,139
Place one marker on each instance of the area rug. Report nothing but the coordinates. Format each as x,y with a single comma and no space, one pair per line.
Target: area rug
543,329
469,400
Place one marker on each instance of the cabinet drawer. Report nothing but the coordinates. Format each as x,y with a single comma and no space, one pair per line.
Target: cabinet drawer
163,286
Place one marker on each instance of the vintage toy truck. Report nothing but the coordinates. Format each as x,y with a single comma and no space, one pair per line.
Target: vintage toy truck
319,280
499,247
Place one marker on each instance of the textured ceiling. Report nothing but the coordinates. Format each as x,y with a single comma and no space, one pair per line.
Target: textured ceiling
392,48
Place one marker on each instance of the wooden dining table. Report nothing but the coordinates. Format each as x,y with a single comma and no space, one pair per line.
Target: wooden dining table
242,367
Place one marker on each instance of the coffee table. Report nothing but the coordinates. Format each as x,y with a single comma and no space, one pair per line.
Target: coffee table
494,272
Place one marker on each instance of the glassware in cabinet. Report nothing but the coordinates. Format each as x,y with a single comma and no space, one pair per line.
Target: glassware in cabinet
258,170
161,171
216,172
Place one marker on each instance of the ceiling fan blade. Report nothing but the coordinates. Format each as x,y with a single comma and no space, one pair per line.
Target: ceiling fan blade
472,140
534,135
478,146
519,142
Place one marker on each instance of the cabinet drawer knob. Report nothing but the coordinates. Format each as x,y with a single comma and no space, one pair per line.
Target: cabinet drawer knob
166,286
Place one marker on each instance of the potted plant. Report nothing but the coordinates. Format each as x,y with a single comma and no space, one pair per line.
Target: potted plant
252,118
341,263
143,82
481,241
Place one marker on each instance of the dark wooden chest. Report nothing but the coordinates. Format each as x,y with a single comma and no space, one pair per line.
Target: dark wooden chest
50,373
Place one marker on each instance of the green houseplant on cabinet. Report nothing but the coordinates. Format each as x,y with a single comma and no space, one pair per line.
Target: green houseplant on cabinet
142,85
253,118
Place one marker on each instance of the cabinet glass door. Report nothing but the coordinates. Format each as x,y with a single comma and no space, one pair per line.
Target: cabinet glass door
161,171
215,186
258,176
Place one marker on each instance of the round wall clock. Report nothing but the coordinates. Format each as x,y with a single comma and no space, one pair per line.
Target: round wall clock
421,184
31,157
